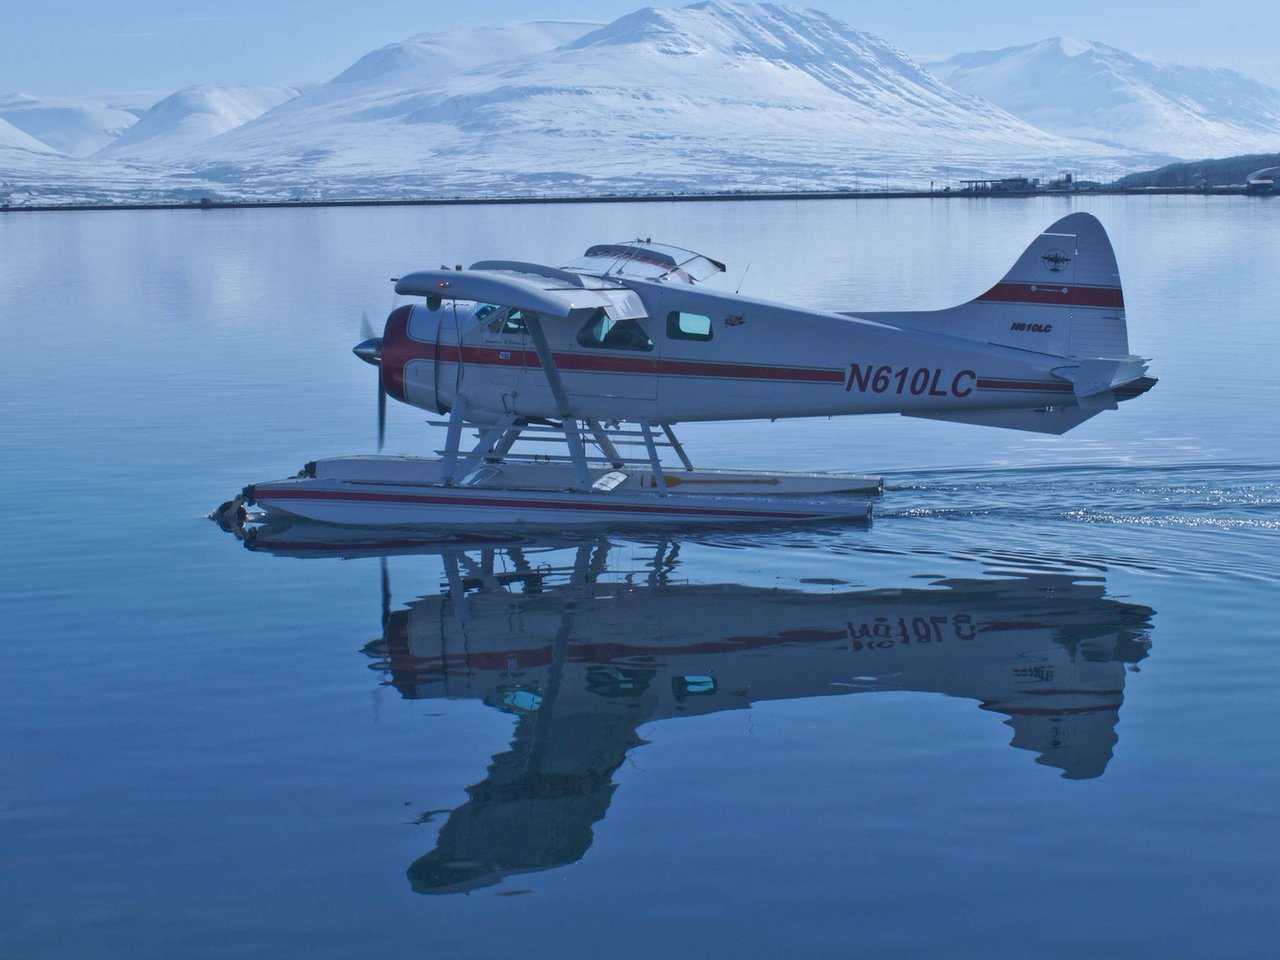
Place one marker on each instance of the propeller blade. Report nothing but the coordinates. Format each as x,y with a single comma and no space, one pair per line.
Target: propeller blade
370,351
382,411
366,328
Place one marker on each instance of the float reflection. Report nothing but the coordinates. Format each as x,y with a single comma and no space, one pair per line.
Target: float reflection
582,652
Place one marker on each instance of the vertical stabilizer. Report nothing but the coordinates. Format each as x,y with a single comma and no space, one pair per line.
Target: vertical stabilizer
1062,298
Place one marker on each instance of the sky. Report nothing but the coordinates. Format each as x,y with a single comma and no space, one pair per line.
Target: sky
87,47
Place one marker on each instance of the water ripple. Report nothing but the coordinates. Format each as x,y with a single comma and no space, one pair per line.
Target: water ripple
1170,508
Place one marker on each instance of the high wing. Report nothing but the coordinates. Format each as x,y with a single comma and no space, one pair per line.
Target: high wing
590,282
512,286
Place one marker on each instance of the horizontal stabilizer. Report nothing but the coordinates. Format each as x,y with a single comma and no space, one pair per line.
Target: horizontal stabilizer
1093,376
1054,420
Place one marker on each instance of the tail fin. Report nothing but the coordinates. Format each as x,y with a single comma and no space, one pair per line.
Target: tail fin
1062,298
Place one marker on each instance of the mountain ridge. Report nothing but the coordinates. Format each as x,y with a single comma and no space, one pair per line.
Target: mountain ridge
1094,91
715,96
191,116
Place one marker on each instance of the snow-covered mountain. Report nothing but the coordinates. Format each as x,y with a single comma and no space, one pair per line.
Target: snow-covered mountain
76,126
711,96
180,122
1092,91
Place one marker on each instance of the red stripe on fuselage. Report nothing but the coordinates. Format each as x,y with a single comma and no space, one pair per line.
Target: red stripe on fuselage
1027,386
1063,295
636,364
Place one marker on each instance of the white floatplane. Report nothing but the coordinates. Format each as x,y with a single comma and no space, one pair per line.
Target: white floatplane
607,353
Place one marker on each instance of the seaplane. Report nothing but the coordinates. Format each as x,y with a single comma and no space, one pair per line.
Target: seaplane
606,354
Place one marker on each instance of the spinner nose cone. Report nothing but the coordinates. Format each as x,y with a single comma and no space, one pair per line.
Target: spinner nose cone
370,351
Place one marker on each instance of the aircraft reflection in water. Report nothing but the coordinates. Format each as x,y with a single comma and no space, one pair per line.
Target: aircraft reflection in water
582,655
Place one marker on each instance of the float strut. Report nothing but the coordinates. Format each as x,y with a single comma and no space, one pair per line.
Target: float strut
606,445
659,480
490,437
503,446
452,438
578,453
675,445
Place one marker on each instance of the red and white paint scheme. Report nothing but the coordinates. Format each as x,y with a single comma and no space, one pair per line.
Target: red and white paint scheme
623,342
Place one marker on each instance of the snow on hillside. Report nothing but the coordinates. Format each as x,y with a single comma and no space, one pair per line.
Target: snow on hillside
28,178
711,96
1097,92
13,139
431,57
76,126
171,128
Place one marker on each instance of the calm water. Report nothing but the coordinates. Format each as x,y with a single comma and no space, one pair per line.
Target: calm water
1029,712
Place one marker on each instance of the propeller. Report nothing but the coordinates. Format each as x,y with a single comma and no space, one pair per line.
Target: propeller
370,351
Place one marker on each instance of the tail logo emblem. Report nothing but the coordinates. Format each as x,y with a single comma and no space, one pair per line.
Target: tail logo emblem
1055,260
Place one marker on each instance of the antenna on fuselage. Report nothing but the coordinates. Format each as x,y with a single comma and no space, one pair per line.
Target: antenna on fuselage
744,276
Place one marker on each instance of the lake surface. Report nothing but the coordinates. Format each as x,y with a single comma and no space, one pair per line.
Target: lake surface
1030,711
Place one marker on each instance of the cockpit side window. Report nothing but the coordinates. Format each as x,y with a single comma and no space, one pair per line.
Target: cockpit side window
603,331
507,321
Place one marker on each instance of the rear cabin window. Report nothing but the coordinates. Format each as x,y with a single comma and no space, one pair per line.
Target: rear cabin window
603,331
688,326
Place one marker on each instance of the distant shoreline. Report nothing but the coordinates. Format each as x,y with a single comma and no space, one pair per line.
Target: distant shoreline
211,204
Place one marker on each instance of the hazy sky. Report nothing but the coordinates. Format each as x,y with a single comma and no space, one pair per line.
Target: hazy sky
86,46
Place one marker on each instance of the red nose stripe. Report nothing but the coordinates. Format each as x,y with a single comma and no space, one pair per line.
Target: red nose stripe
397,350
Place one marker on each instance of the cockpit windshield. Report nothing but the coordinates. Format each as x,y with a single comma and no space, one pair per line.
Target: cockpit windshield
504,320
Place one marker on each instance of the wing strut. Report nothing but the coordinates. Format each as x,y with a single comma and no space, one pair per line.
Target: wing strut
572,438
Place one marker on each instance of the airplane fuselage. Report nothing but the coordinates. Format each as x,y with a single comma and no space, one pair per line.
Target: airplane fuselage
702,355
